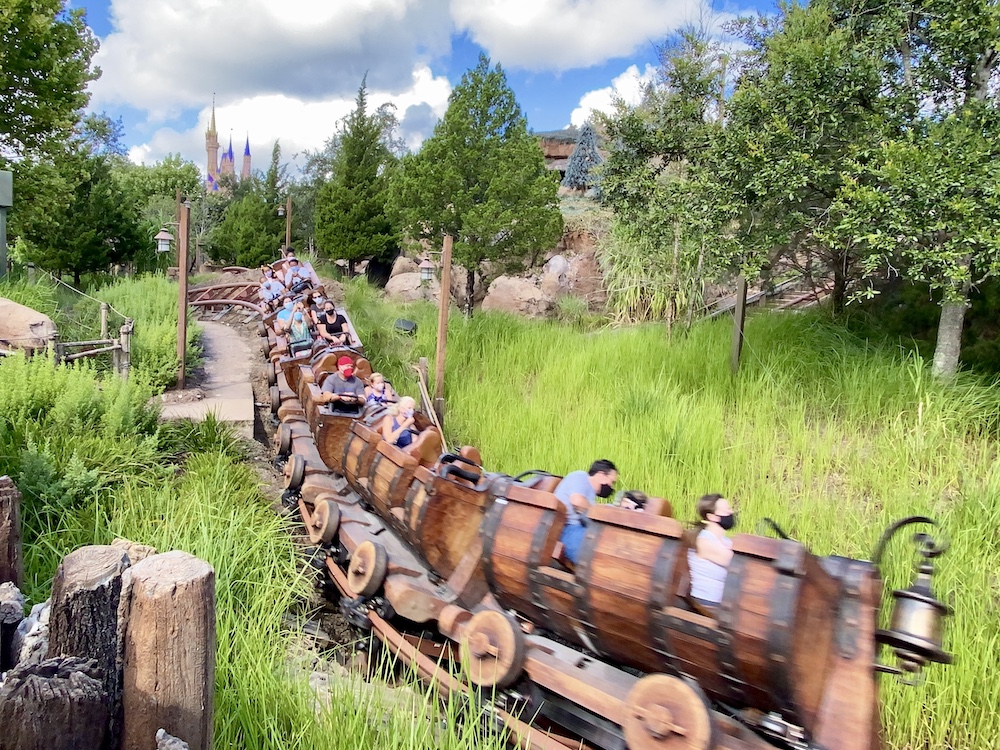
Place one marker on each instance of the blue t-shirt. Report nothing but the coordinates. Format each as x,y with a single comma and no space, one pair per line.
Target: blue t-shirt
574,483
285,315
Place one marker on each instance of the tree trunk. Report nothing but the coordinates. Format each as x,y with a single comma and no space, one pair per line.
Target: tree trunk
11,561
470,291
76,278
949,337
58,704
86,596
350,268
838,296
170,651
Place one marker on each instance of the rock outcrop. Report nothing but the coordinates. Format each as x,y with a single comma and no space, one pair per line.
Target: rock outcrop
407,287
517,295
402,265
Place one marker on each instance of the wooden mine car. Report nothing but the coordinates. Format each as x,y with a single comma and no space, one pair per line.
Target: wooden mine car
610,651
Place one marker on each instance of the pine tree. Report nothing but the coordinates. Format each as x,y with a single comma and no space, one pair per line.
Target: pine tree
350,215
585,156
480,178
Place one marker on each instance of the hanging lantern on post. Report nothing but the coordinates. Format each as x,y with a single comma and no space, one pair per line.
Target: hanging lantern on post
426,271
163,239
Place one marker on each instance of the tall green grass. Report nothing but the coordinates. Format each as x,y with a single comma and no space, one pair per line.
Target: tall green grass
831,437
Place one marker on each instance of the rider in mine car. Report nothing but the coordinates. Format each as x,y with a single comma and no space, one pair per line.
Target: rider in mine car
578,490
342,390
709,557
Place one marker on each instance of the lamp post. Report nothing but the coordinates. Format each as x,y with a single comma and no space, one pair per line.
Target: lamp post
442,332
286,211
182,274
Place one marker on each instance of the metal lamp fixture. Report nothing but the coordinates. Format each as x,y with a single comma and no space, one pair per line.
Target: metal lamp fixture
915,631
281,211
163,239
426,270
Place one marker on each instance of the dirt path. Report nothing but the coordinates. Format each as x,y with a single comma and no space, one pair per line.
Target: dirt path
225,388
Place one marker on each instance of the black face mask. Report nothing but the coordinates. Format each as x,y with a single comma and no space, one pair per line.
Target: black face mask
727,522
606,490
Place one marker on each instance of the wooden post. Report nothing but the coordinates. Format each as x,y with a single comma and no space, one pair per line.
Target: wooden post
83,621
739,318
182,301
58,704
444,304
104,320
11,561
170,651
288,223
11,615
125,352
57,349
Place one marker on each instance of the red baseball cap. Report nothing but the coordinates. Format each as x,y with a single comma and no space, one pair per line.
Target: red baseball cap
345,360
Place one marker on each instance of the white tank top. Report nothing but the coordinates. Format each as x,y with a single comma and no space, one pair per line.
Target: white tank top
707,578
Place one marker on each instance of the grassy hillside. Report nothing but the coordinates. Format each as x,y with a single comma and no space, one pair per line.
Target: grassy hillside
831,437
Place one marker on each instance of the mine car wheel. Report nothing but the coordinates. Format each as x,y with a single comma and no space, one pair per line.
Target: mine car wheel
666,713
295,472
275,396
283,440
493,649
262,329
325,521
368,567
266,346
271,374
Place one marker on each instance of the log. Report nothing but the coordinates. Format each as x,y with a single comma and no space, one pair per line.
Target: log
83,622
59,704
11,561
11,615
170,651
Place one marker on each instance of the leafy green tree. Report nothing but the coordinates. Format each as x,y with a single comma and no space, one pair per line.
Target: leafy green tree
162,179
808,106
480,178
248,235
98,228
45,55
943,60
350,215
580,174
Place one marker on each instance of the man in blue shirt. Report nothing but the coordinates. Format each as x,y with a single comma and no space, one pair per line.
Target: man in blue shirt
578,490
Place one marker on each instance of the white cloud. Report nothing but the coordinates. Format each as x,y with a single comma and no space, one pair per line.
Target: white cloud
628,86
166,57
563,34
299,124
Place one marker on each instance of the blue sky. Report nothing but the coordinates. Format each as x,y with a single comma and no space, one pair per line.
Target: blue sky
289,69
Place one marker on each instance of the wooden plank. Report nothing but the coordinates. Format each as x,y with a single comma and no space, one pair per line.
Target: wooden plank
170,651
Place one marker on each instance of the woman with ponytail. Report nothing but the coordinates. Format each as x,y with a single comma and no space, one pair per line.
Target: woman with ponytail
709,557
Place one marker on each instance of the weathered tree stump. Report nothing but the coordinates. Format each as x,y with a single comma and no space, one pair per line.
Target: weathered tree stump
11,615
170,651
11,562
83,621
59,704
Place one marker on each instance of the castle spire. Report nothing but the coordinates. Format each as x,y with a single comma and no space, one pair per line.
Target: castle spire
245,171
211,125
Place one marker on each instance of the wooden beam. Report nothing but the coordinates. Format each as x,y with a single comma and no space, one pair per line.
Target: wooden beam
444,303
11,561
170,651
182,295
83,622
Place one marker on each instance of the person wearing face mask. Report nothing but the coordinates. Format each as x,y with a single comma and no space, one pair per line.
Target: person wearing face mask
342,390
578,490
398,422
271,289
299,338
709,557
283,320
332,326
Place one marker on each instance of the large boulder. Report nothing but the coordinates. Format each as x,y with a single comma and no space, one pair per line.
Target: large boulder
402,265
459,277
555,276
406,287
516,295
23,328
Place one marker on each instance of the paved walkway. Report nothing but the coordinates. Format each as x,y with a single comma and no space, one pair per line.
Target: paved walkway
226,388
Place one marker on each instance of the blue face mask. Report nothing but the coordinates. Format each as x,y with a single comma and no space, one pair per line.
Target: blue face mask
298,317
288,304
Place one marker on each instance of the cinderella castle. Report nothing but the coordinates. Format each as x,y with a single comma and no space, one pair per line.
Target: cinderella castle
216,167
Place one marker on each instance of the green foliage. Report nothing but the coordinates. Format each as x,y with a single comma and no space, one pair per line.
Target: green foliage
98,227
480,178
350,213
249,234
584,159
45,54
